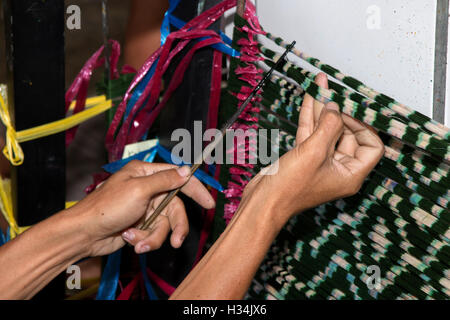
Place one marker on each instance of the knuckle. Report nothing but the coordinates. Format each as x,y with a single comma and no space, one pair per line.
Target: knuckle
133,164
172,178
352,189
135,188
162,181
330,115
381,148
139,236
182,228
186,230
315,152
333,120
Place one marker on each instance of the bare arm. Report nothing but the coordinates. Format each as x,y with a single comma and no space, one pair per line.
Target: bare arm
39,255
143,35
332,157
227,269
96,226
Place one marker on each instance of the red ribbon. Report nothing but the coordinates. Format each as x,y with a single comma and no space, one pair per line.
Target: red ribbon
79,88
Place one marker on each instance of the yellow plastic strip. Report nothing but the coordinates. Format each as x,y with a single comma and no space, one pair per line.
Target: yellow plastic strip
62,125
12,150
85,293
6,205
70,204
6,208
89,102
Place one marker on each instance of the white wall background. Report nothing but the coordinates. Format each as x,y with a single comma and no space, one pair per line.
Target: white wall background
396,57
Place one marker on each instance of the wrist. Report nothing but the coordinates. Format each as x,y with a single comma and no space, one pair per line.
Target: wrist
265,211
74,226
40,254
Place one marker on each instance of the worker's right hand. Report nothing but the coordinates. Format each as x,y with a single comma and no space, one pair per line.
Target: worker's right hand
112,214
332,157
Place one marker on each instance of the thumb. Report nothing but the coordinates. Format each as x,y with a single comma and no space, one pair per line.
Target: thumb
166,180
330,127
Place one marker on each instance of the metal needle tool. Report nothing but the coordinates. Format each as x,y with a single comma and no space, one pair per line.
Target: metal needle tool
217,139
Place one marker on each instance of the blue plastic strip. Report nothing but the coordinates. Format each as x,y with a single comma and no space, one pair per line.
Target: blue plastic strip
148,286
139,89
165,26
113,167
170,19
212,169
151,157
225,38
167,156
110,278
176,22
2,238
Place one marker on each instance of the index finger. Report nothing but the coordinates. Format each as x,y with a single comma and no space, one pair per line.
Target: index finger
136,168
197,191
163,174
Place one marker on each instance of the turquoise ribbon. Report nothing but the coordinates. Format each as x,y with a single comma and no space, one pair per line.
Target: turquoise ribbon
110,277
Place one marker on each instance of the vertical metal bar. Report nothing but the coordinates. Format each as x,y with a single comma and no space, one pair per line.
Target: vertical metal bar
440,61
35,51
105,28
240,7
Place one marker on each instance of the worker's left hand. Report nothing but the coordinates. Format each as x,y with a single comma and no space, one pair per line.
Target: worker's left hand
333,155
113,213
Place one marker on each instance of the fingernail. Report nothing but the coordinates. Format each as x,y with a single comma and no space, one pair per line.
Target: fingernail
184,171
143,249
332,106
128,236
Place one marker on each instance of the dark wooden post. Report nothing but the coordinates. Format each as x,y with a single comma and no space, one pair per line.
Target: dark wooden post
35,66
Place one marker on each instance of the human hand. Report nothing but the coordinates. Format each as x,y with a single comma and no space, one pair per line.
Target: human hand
333,155
113,213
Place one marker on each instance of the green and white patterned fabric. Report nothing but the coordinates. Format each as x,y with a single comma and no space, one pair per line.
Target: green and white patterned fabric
398,222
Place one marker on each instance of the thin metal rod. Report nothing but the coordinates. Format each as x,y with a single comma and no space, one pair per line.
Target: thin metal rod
217,139
440,70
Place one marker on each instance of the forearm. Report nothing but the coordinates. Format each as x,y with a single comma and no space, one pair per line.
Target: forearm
33,259
143,35
228,268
